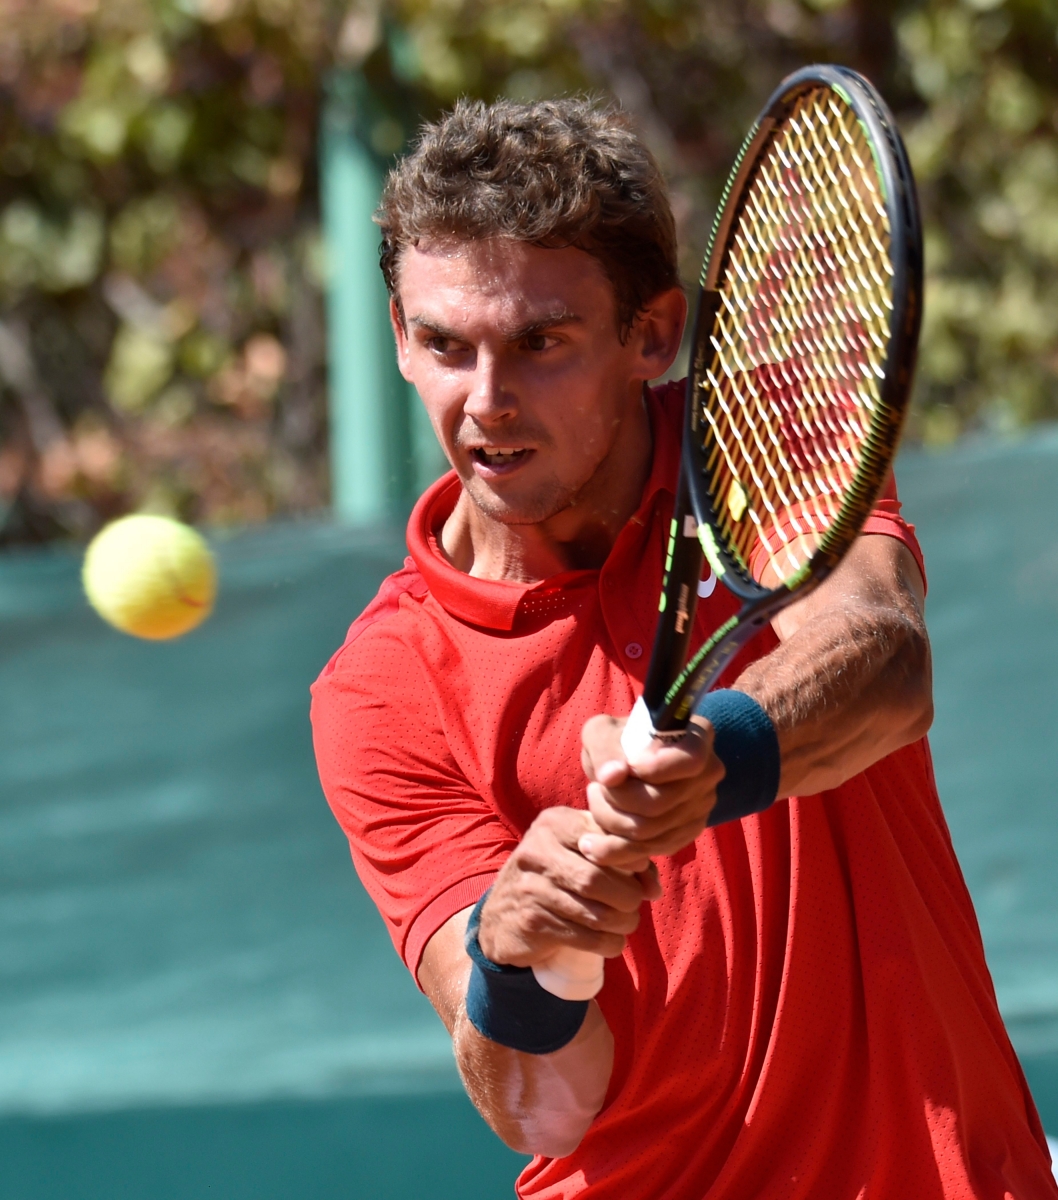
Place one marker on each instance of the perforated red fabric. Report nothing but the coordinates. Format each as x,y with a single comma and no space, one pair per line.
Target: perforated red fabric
805,1013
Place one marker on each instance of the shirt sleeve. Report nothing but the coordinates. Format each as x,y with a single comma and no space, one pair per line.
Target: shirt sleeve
886,519
425,844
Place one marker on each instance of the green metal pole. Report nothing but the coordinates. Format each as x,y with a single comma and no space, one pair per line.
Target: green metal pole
372,473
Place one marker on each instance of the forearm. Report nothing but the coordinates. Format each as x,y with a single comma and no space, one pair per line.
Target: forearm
851,681
537,1103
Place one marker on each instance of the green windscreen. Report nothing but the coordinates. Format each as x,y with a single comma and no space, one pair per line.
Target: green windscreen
196,996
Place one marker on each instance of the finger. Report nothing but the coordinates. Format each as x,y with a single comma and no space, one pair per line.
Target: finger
572,909
523,952
612,773
564,825
526,916
587,766
620,854
601,743
643,827
651,882
608,946
666,761
599,885
552,859
661,764
634,798
543,912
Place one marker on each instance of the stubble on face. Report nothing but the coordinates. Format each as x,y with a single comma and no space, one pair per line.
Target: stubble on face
549,497
452,280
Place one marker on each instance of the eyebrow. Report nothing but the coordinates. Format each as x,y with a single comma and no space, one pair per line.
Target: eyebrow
562,316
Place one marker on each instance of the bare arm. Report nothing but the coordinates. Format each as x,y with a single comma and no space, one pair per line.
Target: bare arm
850,683
537,1103
547,895
852,680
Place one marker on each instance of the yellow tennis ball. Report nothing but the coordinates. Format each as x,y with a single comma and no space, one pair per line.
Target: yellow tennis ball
150,576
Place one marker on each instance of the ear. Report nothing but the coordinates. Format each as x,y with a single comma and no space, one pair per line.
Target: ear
400,336
657,333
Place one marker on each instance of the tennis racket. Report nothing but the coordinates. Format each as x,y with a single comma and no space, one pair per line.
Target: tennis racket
804,349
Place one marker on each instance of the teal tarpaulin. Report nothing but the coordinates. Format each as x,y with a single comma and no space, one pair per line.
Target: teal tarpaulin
193,986
196,996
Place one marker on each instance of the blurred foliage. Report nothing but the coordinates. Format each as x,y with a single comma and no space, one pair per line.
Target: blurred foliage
974,84
160,262
160,318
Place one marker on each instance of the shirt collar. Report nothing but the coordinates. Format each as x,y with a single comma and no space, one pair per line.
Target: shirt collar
493,603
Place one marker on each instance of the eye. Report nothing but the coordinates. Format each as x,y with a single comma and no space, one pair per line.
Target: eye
539,341
441,345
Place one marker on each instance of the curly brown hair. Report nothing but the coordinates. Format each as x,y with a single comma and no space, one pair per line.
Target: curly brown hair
556,173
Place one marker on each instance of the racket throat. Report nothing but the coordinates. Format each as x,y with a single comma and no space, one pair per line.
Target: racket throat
670,717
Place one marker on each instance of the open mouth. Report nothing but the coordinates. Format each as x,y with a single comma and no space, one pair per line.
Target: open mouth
500,456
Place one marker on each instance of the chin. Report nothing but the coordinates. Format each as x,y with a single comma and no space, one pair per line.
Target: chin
532,508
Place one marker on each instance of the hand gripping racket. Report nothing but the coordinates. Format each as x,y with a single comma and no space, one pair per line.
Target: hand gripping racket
804,349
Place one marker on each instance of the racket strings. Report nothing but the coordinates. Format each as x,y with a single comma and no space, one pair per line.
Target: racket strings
800,341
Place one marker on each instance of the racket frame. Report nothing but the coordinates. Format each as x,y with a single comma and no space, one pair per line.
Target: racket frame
674,685
672,688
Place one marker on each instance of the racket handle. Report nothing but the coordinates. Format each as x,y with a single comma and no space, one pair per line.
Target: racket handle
578,974
639,732
571,974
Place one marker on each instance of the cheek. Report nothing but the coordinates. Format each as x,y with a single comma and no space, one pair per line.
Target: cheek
592,401
442,400
585,430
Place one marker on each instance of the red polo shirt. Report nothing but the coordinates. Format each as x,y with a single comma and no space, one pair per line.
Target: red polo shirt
806,1011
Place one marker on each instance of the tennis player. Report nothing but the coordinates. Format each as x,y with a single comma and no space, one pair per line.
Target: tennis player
796,1004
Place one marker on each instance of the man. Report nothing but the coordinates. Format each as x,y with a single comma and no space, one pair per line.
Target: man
796,1004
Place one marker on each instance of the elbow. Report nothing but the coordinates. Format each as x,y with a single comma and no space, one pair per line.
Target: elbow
555,1137
540,1103
916,692
922,720
549,1116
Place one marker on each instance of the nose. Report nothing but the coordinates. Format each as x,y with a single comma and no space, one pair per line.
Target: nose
490,397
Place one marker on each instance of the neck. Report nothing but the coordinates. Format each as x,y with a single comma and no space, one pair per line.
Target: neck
579,537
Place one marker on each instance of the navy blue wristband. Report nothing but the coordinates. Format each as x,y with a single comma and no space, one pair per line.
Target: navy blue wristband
748,746
507,1005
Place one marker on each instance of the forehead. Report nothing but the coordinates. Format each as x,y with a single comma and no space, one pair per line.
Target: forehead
509,280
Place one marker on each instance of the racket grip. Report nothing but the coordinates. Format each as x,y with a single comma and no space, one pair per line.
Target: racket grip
578,974
571,974
639,732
